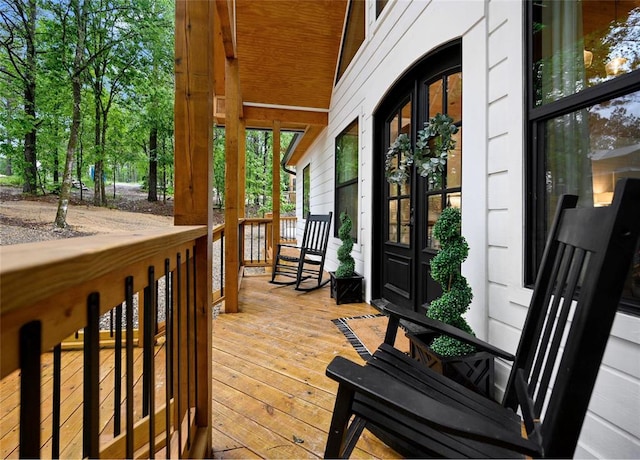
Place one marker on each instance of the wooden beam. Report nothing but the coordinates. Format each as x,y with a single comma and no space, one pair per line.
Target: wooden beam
194,38
232,122
303,117
226,10
276,184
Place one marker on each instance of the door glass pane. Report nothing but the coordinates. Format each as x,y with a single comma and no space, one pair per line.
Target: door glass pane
454,96
435,209
406,119
435,98
393,221
454,200
405,221
454,162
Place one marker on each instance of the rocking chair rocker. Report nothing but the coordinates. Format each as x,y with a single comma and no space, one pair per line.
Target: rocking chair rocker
422,414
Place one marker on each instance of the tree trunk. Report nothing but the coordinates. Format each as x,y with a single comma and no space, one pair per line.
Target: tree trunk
76,84
153,165
30,169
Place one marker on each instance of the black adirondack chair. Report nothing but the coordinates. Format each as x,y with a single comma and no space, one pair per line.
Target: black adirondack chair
304,262
422,414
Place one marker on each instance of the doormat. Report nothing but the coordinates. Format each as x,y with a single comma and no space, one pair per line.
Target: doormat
366,333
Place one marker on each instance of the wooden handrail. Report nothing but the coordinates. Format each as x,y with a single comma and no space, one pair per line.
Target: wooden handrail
51,289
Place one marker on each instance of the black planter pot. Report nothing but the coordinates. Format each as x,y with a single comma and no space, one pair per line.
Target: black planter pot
475,371
346,290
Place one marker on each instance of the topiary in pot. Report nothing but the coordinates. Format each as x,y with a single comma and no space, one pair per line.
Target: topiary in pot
347,265
457,295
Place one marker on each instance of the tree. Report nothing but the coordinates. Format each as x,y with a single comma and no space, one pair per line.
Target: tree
18,41
79,10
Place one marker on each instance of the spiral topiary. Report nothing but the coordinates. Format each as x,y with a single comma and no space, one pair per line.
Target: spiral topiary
457,295
347,265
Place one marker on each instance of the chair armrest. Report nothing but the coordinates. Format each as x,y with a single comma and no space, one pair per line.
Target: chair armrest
390,392
422,320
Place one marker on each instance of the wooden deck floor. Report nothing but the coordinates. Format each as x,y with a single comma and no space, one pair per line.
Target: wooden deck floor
271,398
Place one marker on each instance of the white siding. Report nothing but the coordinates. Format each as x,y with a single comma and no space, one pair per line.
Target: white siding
493,183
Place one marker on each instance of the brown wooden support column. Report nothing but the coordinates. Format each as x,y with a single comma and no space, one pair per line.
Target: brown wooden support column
193,178
232,123
276,183
242,167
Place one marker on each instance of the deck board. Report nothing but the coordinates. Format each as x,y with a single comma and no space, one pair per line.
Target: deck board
271,398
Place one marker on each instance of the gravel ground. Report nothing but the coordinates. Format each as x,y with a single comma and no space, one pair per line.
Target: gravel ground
25,219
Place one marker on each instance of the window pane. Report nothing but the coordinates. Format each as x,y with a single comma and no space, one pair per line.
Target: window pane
406,119
306,192
454,162
581,44
454,96
347,201
435,98
587,151
353,35
347,154
405,221
393,221
380,4
434,211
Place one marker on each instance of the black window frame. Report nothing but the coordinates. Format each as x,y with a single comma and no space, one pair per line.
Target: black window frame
535,117
350,183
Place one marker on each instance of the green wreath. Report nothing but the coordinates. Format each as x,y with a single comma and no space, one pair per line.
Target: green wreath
433,144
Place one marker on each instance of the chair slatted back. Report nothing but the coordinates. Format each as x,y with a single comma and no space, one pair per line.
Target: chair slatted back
316,234
572,309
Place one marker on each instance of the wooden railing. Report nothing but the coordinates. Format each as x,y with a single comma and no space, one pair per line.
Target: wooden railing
136,401
256,235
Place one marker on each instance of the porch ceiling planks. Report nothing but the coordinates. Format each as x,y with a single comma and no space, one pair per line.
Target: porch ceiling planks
287,53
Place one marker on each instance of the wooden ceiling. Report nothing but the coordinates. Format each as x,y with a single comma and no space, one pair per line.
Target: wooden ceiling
287,52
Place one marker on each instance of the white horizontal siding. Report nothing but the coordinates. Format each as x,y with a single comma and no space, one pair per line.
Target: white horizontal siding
493,182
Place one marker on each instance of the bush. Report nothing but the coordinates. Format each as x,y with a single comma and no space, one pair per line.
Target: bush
346,269
457,295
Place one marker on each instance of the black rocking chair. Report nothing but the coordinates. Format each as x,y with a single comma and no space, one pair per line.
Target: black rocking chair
304,262
422,414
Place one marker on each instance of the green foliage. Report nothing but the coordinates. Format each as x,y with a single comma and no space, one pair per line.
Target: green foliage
347,265
457,295
433,144
15,181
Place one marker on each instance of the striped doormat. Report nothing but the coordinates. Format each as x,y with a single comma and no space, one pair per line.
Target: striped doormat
366,333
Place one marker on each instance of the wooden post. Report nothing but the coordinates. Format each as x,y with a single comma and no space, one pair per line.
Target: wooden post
193,118
276,184
242,167
232,122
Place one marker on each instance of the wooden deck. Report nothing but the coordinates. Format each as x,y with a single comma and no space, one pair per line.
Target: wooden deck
271,398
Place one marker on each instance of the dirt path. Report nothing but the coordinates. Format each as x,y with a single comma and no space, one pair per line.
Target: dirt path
27,220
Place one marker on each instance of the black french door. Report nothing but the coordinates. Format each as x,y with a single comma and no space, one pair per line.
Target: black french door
404,214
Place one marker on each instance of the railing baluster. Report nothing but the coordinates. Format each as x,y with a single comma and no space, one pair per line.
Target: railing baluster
148,353
178,396
251,242
117,384
91,403
222,263
195,325
30,349
128,289
167,356
55,415
189,333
